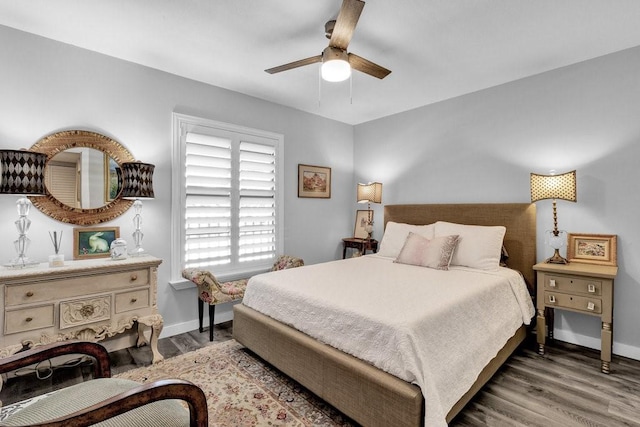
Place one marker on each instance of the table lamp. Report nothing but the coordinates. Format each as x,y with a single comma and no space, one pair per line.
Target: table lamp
554,187
22,174
370,193
137,184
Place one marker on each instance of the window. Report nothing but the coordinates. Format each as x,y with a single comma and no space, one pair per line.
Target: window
226,201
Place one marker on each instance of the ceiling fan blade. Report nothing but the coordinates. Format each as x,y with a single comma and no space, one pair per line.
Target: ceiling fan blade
295,64
367,67
346,23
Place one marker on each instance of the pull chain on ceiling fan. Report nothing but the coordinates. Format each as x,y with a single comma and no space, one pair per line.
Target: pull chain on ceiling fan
336,62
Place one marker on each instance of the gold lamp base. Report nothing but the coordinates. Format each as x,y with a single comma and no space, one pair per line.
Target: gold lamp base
557,258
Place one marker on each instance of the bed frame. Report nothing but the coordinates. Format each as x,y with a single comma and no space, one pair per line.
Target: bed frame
361,391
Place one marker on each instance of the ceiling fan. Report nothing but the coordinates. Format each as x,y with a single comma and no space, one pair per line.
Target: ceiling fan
336,62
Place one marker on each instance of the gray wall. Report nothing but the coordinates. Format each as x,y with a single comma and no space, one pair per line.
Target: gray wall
476,148
481,148
49,86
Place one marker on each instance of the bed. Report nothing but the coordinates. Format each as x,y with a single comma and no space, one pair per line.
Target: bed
370,395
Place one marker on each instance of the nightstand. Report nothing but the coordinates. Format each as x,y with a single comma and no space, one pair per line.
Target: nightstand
581,288
363,245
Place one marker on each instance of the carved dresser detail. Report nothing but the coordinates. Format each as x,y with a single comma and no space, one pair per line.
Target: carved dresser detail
87,300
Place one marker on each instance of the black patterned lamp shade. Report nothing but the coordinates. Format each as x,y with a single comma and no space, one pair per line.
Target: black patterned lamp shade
561,187
137,180
22,172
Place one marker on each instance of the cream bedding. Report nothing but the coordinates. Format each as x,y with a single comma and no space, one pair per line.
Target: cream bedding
437,329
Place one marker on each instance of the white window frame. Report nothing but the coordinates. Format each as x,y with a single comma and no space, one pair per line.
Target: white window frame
181,124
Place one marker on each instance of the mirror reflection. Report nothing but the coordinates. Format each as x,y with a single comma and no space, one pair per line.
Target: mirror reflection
83,178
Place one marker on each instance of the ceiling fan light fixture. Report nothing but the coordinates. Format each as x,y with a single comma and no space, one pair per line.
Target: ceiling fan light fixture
335,65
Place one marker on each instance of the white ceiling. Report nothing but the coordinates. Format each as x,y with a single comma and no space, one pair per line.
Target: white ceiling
436,49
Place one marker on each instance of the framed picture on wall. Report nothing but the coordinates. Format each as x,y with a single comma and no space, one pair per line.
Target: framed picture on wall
592,248
93,242
362,219
314,181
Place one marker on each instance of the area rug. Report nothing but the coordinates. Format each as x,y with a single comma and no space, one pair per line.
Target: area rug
242,390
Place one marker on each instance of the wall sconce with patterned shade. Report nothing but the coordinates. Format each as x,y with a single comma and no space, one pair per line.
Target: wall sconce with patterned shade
22,174
137,184
369,193
554,187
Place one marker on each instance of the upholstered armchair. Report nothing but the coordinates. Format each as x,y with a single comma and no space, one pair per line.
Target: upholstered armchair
104,400
212,292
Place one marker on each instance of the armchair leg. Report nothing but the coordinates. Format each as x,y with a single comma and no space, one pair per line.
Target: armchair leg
200,313
212,313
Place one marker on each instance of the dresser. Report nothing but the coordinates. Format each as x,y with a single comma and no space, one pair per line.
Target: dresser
581,288
86,299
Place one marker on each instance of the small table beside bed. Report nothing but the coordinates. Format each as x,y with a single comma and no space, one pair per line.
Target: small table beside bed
390,342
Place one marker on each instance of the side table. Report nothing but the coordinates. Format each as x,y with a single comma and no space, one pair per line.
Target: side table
581,288
363,245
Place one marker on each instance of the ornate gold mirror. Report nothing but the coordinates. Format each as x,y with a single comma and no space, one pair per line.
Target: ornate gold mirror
83,179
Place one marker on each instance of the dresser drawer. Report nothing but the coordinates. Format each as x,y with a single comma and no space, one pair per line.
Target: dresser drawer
576,285
132,300
573,302
68,288
28,319
84,311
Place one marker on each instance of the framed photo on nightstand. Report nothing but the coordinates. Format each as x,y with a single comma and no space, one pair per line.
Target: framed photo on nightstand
362,219
592,248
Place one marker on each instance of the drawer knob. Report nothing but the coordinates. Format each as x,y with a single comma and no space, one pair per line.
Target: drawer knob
552,283
28,319
134,300
591,287
591,306
134,277
29,294
552,299
87,310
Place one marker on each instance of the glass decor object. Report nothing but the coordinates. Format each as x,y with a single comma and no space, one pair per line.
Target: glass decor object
554,187
369,193
57,259
22,174
118,249
137,185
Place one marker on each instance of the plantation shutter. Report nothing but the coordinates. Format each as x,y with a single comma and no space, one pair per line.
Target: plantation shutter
208,190
230,202
257,225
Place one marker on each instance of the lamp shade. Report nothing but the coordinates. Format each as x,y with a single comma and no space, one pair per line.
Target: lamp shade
22,172
137,180
371,192
562,187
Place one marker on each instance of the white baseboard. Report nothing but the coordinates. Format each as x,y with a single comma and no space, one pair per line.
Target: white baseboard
223,314
624,350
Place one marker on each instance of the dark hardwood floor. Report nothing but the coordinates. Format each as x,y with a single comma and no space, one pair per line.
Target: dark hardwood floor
563,388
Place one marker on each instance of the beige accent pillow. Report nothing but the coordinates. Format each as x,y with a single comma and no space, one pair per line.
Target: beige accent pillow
433,253
395,235
478,246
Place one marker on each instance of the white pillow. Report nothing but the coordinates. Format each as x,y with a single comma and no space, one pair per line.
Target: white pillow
478,246
395,234
433,253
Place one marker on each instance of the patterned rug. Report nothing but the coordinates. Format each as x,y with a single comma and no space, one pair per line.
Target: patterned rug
242,390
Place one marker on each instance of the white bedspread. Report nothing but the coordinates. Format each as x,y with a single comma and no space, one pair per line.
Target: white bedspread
437,329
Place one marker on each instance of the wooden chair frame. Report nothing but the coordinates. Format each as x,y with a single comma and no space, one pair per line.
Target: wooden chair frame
116,405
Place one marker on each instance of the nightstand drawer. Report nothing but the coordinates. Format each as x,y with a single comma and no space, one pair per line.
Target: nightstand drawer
571,284
573,302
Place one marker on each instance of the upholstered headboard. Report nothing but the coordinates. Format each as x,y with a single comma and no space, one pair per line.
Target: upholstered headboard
518,218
